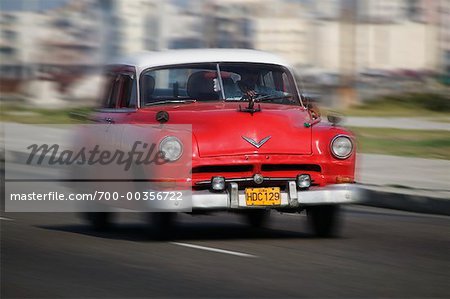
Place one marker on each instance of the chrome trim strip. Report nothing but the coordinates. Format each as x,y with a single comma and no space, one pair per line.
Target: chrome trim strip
115,110
208,200
293,195
235,199
332,194
222,91
245,180
256,143
234,195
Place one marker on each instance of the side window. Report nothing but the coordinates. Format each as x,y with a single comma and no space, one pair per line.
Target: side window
286,83
110,90
120,91
127,96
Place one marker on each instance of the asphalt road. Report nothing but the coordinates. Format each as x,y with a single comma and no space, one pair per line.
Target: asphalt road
382,253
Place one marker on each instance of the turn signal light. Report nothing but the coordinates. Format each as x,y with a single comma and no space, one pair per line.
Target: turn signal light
303,181
344,180
218,183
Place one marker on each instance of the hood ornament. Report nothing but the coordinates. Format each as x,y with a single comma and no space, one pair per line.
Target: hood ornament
250,109
255,143
162,117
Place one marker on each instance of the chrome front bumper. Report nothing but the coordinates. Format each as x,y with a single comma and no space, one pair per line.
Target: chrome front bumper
290,199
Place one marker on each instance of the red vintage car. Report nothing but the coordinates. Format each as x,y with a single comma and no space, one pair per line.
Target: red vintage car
256,145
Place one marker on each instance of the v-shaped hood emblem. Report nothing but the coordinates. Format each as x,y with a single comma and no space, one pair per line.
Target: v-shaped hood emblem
255,143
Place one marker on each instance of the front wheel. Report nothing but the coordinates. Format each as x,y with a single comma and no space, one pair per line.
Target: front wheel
324,219
162,224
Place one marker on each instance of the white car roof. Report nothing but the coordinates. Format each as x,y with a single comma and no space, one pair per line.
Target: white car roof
144,60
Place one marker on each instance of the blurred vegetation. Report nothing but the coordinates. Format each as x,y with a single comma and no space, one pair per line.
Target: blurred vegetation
409,104
414,143
32,115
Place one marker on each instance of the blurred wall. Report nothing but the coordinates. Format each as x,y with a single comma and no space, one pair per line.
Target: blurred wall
324,38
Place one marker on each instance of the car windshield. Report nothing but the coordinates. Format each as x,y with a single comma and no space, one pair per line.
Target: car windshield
218,82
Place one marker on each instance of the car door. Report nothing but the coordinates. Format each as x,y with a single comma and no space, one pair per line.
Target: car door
119,103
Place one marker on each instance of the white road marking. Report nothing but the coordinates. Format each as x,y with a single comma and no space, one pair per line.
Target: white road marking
7,219
214,249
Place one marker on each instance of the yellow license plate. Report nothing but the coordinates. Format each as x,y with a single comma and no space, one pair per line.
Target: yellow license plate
263,196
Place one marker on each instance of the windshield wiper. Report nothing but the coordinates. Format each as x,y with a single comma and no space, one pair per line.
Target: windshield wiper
245,98
268,98
262,98
170,101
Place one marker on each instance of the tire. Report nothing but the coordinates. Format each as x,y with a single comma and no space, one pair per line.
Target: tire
99,221
162,225
324,220
257,218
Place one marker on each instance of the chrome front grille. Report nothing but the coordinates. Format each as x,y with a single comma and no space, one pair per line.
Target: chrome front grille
275,175
223,168
291,167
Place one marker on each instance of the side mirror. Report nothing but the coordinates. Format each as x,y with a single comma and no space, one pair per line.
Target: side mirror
313,110
335,118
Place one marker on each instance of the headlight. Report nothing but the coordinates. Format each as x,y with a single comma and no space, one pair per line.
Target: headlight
171,147
341,147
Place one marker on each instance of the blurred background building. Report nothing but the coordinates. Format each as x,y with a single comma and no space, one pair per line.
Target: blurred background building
51,50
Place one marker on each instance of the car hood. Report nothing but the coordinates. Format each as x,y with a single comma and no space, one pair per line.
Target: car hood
220,129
